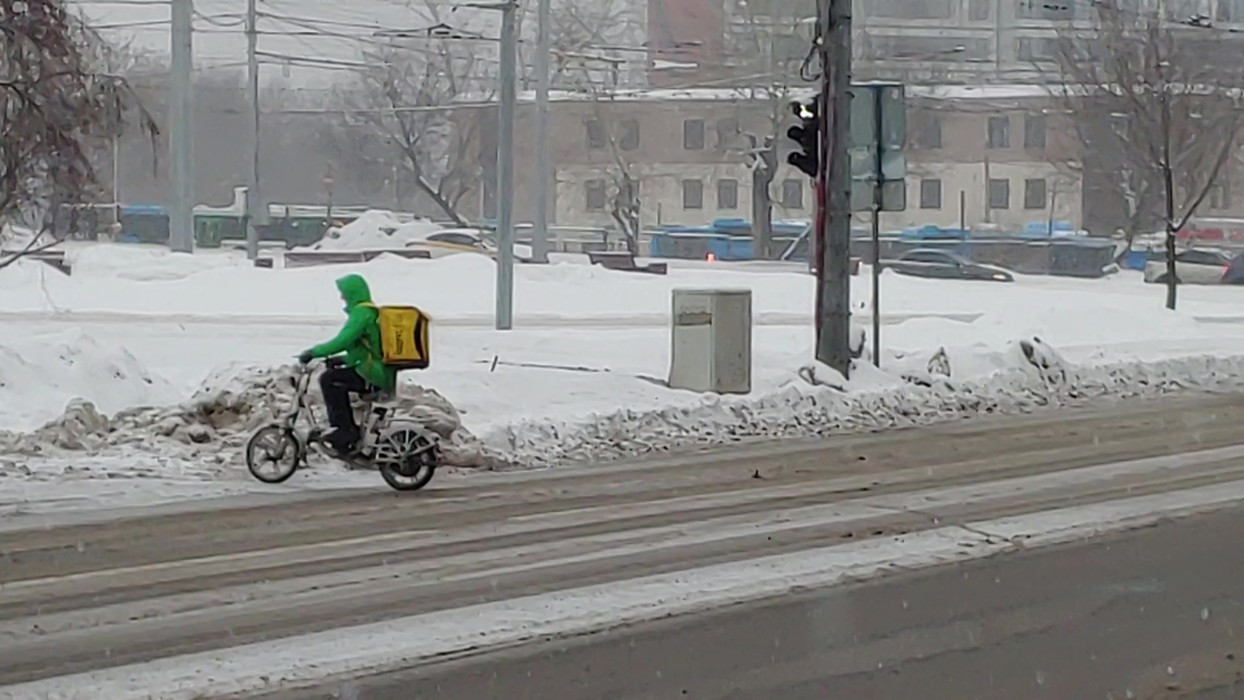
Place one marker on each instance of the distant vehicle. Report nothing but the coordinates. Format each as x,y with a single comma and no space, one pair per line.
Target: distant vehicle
1235,271
1194,266
462,240
939,264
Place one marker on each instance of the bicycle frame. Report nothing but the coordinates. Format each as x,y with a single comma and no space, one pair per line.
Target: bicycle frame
369,428
302,384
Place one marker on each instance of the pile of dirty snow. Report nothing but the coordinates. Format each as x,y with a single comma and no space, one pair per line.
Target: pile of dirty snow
202,438
40,375
1030,376
376,230
208,432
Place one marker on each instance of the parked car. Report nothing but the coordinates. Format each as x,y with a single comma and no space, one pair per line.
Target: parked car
1193,266
459,240
1235,271
940,264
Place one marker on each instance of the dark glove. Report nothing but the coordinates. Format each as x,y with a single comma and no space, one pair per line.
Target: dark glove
305,357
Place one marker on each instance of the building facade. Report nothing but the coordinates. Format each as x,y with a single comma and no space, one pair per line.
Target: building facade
996,155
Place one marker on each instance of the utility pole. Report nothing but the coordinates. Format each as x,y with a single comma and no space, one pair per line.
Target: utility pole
878,201
544,170
505,173
833,342
254,203
181,129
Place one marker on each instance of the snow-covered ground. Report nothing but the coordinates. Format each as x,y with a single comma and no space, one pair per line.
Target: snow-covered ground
581,378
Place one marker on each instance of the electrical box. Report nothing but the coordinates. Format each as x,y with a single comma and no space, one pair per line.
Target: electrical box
711,341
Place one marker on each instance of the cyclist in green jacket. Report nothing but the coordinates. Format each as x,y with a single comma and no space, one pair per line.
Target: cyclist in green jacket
364,369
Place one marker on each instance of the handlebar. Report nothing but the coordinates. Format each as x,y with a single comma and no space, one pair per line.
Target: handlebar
328,362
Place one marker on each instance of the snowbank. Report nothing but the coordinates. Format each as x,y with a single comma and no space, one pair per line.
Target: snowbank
39,376
121,279
146,263
211,428
376,229
1030,375
203,437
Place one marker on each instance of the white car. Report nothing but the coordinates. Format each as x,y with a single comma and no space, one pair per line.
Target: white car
462,240
1194,266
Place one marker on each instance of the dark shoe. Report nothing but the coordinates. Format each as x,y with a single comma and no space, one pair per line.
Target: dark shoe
342,441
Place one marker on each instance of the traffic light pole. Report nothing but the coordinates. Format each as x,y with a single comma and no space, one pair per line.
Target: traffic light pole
833,341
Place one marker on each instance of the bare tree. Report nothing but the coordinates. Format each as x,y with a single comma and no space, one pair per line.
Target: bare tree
57,106
771,54
589,60
405,103
617,136
1157,98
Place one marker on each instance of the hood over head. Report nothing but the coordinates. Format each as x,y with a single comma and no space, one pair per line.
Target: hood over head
354,290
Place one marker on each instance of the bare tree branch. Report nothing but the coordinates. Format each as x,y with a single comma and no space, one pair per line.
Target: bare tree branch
1154,101
57,104
768,44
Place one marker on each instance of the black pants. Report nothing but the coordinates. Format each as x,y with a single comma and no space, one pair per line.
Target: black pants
337,385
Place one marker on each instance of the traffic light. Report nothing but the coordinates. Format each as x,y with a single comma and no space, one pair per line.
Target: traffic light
807,136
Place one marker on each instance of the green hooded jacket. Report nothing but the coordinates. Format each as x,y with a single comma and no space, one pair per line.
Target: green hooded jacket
359,338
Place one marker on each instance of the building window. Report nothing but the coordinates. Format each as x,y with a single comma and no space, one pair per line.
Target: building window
1182,10
692,194
1036,49
1220,195
792,194
928,132
999,132
1230,11
594,192
927,49
727,194
906,9
1034,132
999,194
1044,9
1034,193
727,131
595,134
978,10
693,134
628,140
931,194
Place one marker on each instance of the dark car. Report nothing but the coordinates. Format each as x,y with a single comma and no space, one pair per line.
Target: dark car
944,265
1234,273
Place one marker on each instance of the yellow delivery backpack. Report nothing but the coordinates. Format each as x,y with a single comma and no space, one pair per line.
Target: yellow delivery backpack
404,336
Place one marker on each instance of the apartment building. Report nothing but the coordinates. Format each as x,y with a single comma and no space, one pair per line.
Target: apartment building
686,151
987,142
996,154
978,41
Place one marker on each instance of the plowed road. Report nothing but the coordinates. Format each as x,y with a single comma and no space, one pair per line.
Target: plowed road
456,592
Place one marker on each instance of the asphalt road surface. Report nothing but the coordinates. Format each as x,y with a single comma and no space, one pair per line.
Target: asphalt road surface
93,597
1154,613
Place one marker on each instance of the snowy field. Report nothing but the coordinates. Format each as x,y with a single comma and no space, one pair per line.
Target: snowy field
580,379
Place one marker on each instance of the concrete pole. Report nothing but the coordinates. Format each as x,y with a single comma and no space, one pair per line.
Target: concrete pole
833,343
505,173
254,203
878,200
544,170
181,128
